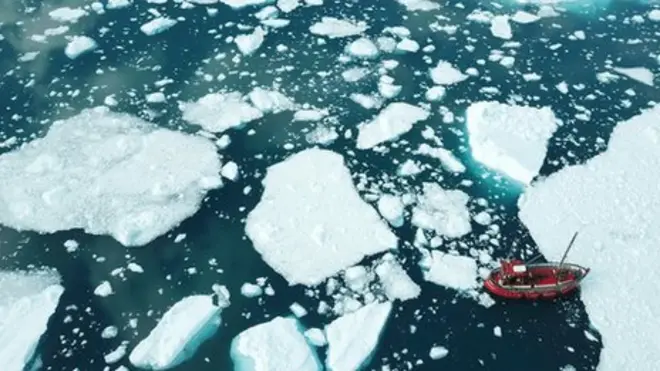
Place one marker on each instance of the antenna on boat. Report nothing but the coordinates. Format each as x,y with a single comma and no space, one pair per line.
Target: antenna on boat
570,244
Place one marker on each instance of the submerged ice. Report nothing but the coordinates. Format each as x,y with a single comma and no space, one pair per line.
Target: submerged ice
311,223
83,174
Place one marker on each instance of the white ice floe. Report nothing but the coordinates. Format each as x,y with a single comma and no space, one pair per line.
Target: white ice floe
230,171
452,271
277,345
27,300
419,5
443,211
353,337
79,45
287,6
118,4
446,74
391,209
523,17
447,159
310,115
322,135
66,14
178,334
237,4
249,43
394,280
270,101
157,25
500,27
103,289
612,200
654,15
156,97
438,352
327,227
217,112
316,337
335,28
641,74
362,48
510,139
82,175
390,123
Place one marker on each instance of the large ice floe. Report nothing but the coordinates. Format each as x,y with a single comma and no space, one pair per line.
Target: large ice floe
181,330
394,120
613,200
311,223
107,173
352,338
277,345
27,300
510,139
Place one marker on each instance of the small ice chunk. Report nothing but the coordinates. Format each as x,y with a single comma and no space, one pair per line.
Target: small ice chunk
409,168
408,45
28,301
500,27
391,209
352,338
328,226
446,74
270,101
118,4
497,331
362,48
357,278
277,345
641,74
157,25
249,43
438,352
287,6
482,218
316,337
444,211
354,74
156,97
104,289
237,4
654,15
419,5
115,355
298,310
390,123
435,93
511,139
178,334
452,271
109,332
310,115
322,135
230,171
394,280
135,267
250,290
79,45
337,28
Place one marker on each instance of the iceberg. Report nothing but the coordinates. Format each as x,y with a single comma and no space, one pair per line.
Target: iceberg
176,337
277,345
27,300
83,173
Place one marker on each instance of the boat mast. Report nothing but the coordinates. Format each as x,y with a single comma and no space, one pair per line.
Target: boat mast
570,244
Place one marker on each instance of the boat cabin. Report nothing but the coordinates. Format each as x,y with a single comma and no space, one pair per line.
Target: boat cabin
515,272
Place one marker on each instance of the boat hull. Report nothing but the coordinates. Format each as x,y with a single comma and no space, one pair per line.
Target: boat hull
544,284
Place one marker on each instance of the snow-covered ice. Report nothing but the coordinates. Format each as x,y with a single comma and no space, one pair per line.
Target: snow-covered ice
453,271
438,352
391,209
612,200
118,4
500,27
335,28
157,25
79,45
446,74
524,17
352,338
277,345
237,4
82,175
103,289
217,112
362,48
230,171
641,74
391,122
66,14
178,334
443,211
394,280
270,101
419,5
327,227
27,300
510,139
249,43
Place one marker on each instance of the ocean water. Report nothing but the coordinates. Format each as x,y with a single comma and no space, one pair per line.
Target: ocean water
536,336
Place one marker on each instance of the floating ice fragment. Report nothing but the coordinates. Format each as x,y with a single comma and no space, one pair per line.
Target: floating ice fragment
249,43
438,352
500,27
66,14
337,28
104,289
79,45
446,74
443,211
641,74
157,25
390,123
452,271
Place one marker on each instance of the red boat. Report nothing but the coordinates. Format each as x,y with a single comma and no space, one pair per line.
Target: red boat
515,279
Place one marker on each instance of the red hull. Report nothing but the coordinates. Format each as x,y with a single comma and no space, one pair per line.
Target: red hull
540,281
